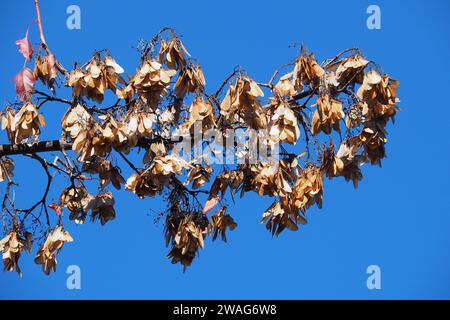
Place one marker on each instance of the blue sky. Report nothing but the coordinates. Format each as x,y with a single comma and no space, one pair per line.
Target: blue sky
398,218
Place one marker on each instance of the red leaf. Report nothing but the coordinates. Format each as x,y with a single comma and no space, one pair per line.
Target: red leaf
25,47
24,83
211,203
55,208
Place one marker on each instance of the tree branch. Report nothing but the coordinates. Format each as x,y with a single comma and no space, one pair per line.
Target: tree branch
57,145
42,146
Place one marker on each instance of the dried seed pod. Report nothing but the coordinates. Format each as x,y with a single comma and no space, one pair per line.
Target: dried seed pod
219,223
46,255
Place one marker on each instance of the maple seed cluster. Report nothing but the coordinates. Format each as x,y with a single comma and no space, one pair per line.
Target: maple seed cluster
321,119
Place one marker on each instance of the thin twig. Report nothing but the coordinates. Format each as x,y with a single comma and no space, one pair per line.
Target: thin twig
225,82
43,200
130,164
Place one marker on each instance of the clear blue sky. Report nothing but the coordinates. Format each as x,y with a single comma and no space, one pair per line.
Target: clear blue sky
398,218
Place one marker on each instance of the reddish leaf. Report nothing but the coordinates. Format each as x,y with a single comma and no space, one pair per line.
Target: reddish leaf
51,62
24,83
25,47
55,208
211,203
